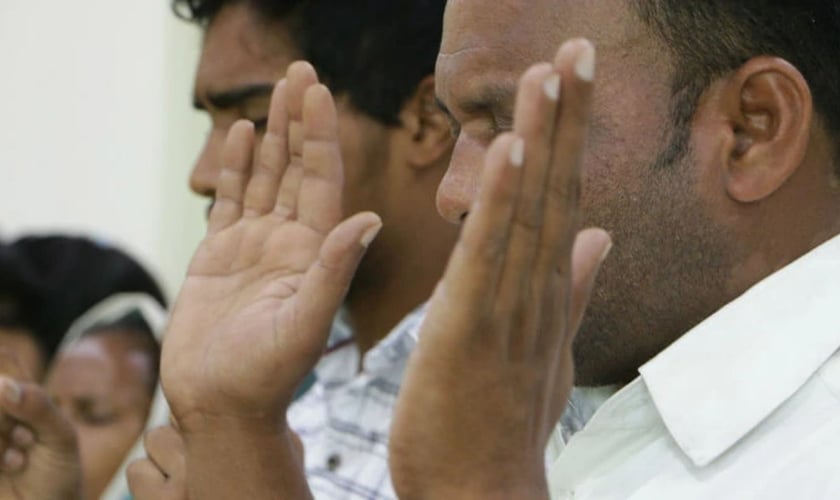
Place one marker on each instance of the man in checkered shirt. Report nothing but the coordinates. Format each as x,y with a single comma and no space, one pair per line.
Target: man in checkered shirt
396,145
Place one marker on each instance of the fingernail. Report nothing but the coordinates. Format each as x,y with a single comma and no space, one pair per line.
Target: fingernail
606,252
369,235
517,152
11,391
13,459
22,437
551,87
585,64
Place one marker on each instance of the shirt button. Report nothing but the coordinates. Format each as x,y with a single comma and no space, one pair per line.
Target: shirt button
334,462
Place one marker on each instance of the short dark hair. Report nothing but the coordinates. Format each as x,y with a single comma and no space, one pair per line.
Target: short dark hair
712,37
375,51
48,282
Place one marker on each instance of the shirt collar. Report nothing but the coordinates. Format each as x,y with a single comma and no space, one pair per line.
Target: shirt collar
395,349
723,378
341,361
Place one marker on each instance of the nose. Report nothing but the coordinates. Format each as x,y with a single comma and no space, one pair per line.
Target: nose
205,171
460,184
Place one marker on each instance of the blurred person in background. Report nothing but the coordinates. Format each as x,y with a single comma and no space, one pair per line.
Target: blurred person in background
20,342
47,282
105,381
101,376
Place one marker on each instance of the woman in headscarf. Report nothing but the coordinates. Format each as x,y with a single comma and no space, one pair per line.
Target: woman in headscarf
103,376
104,379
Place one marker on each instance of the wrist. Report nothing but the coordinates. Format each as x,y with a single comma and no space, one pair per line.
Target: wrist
202,425
236,457
466,492
490,483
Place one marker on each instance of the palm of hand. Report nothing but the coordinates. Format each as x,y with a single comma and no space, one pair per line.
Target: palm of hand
255,310
239,304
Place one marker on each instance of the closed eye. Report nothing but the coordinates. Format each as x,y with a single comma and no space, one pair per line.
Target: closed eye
454,126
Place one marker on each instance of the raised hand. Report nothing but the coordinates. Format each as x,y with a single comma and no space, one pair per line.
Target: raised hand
255,310
162,475
40,457
254,313
493,368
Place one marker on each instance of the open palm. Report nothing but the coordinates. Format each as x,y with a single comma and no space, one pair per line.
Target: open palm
255,310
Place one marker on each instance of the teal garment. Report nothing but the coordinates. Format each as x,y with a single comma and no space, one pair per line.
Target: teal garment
304,387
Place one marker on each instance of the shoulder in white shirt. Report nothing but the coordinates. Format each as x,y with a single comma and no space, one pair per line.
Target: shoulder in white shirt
744,406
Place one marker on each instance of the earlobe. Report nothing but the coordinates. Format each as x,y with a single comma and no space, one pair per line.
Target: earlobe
769,109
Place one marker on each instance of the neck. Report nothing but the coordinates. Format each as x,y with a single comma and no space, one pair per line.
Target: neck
385,291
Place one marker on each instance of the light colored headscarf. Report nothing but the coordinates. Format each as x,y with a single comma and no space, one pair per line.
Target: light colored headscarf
111,310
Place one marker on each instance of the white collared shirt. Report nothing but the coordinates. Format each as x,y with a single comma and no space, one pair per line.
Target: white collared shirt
744,406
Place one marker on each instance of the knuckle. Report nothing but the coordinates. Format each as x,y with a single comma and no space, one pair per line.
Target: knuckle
486,250
565,189
529,217
132,472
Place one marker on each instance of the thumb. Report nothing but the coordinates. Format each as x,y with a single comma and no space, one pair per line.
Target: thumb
325,284
590,250
28,403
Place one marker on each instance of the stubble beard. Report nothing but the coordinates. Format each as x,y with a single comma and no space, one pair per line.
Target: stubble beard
667,271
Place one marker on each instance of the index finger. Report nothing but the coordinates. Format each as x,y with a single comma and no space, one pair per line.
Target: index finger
576,63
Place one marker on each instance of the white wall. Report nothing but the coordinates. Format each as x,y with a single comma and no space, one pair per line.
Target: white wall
96,133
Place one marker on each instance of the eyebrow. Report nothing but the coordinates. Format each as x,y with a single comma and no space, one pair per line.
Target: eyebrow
233,97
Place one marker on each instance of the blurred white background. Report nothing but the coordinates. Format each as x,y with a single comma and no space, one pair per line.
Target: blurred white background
97,134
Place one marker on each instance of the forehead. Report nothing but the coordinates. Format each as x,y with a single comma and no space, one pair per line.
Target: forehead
240,50
534,28
497,41
99,361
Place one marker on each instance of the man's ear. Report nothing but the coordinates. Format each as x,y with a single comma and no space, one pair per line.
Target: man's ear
427,137
767,108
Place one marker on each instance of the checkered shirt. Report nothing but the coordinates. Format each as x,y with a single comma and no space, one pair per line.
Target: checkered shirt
345,417
343,420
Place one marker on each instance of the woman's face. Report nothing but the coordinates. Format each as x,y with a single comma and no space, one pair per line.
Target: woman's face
102,383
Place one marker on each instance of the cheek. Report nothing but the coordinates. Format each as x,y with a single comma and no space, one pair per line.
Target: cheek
460,184
105,446
364,153
103,449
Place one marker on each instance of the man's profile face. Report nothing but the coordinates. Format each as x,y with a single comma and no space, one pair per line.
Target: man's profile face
242,58
655,213
236,74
